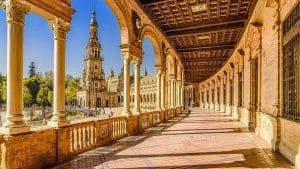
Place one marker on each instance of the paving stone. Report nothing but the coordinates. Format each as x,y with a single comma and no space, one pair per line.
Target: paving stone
203,139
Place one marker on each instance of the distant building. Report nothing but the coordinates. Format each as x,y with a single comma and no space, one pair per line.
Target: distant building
97,92
94,92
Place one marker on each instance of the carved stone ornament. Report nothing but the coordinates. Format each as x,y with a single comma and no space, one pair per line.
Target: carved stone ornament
253,40
136,22
59,28
104,131
15,11
272,3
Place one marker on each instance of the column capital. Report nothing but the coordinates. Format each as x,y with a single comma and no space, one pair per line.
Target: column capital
158,71
137,62
59,28
15,11
171,76
125,54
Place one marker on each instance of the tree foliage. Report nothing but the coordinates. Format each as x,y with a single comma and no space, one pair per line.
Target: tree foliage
2,89
27,97
33,91
32,69
71,90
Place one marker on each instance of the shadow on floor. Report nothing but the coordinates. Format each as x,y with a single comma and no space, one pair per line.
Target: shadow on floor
112,156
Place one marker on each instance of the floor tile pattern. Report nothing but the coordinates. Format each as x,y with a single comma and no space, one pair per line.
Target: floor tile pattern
201,139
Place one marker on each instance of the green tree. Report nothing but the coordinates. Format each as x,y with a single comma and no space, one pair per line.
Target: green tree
27,97
50,97
42,93
2,89
71,90
33,85
48,79
32,69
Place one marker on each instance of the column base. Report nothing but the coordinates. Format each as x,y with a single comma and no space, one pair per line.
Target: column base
14,130
126,113
158,109
58,124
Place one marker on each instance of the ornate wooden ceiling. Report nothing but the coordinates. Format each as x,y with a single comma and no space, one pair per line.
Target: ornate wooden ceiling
204,32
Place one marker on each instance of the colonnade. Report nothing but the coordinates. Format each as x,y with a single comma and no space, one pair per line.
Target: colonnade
224,93
169,94
16,13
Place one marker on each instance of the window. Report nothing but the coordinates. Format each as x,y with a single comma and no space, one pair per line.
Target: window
291,69
291,78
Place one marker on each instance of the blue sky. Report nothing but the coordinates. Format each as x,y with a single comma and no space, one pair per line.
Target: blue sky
38,41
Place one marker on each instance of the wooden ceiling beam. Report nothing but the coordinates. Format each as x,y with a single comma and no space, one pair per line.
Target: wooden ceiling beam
206,48
202,67
147,2
231,20
205,59
208,29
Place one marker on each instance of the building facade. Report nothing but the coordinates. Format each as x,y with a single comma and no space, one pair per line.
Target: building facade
97,92
94,93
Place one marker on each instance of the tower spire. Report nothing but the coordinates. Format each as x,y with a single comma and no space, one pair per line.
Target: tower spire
94,6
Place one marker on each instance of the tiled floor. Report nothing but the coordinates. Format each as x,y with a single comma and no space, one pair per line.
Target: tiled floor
202,139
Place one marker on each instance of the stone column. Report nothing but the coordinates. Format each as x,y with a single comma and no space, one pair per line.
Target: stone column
182,93
158,89
137,96
126,111
228,107
172,91
60,29
15,16
216,97
222,95
163,90
235,93
169,92
178,93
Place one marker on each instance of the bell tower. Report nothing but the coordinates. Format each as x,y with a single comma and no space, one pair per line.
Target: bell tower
93,74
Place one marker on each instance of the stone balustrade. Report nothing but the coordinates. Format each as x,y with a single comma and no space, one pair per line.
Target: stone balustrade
47,146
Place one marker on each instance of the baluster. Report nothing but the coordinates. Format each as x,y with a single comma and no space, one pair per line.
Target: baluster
118,128
74,139
71,140
91,135
83,137
121,128
88,136
79,138
113,130
124,127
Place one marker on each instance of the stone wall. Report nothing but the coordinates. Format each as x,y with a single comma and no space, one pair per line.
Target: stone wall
290,139
262,42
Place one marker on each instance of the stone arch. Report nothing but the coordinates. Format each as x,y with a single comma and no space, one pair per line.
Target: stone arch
122,17
148,32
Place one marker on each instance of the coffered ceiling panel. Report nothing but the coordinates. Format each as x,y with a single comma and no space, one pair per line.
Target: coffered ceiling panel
204,32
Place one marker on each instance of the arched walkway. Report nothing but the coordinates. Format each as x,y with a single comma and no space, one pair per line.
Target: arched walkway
201,139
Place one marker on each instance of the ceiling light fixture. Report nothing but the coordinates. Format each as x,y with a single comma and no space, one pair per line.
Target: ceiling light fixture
199,8
203,37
